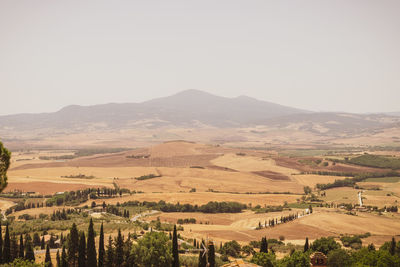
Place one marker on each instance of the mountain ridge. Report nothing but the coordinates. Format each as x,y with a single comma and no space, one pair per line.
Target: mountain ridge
194,108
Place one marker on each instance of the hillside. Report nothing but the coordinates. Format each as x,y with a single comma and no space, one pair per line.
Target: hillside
187,108
191,115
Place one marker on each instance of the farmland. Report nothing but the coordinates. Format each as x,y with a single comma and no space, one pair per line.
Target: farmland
270,184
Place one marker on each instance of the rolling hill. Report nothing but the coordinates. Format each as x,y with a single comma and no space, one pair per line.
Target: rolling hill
192,109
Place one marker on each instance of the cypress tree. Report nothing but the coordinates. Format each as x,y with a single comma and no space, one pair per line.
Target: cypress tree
392,248
175,252
82,250
64,259
42,243
119,249
306,245
91,247
264,245
21,247
211,255
58,258
101,247
14,247
47,260
29,254
202,256
110,253
7,247
73,241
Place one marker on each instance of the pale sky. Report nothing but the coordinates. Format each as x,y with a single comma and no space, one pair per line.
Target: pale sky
338,55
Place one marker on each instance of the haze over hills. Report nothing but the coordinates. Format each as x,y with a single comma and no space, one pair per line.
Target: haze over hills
195,109
186,108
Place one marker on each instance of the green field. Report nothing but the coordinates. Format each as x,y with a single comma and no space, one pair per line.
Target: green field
376,161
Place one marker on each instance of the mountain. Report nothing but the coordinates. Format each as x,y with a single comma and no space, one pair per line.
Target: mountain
194,108
187,108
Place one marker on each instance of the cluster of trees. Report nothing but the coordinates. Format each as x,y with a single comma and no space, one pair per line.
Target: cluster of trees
351,182
5,156
186,221
109,192
22,206
391,209
81,176
273,222
376,161
210,207
153,249
116,211
69,198
147,177
80,196
10,249
387,255
62,214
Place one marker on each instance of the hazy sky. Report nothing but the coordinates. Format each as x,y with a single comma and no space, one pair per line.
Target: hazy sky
316,55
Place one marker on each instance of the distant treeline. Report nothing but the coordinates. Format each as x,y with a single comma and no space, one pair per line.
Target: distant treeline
147,177
81,176
351,182
210,207
80,196
85,153
375,161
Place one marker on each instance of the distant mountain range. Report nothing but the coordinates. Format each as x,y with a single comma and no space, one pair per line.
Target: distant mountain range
194,108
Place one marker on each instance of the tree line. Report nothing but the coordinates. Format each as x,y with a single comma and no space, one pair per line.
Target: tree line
210,207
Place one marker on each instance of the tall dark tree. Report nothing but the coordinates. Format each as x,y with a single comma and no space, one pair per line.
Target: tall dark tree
392,248
82,250
211,255
36,239
58,259
47,259
42,243
29,253
64,258
202,256
6,247
73,241
264,245
21,252
14,247
91,247
109,262
5,156
306,245
119,249
175,252
101,247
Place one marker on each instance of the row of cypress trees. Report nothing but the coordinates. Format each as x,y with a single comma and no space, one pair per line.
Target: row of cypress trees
81,251
10,249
